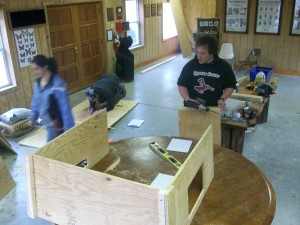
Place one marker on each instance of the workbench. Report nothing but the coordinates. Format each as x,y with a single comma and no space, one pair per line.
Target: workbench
233,132
261,103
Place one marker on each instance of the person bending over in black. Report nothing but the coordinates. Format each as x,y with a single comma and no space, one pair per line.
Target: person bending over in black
105,92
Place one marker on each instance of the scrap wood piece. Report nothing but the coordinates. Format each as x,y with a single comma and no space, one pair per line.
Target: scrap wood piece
7,183
247,97
193,123
120,110
5,144
37,139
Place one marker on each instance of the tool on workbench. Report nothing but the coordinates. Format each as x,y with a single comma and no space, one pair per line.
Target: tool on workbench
264,89
197,103
164,154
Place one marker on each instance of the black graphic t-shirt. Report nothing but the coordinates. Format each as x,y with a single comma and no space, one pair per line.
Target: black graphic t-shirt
207,81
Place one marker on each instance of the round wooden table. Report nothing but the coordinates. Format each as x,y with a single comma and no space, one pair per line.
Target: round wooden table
238,194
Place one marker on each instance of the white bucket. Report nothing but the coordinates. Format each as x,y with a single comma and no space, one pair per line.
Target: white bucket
260,77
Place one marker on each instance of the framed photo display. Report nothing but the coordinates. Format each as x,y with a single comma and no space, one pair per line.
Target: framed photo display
236,16
159,9
147,11
119,12
109,35
153,9
268,16
295,23
110,14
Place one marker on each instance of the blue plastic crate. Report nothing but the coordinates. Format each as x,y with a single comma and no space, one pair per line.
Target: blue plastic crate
266,70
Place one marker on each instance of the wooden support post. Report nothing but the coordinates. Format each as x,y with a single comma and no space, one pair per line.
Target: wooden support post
182,29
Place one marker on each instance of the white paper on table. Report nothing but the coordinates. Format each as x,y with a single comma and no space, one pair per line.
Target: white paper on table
179,145
135,123
162,181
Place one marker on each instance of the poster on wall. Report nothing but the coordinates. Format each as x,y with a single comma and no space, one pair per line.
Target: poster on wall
153,9
236,16
147,11
26,45
295,24
268,13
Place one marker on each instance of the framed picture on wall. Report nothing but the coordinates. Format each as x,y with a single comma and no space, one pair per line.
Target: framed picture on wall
109,35
236,16
147,10
159,9
295,22
119,12
110,14
153,9
268,16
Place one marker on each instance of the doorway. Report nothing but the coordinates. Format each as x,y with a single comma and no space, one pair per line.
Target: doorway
77,42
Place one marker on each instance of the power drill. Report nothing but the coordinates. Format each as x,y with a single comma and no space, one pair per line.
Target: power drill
197,104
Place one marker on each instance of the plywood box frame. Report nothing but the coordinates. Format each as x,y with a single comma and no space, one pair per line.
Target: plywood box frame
61,192
7,183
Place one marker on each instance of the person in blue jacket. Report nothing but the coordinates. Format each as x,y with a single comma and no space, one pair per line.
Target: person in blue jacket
50,99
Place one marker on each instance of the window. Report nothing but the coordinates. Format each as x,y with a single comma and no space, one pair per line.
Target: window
169,27
134,16
4,75
6,72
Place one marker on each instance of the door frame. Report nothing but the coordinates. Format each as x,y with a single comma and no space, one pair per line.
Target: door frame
74,2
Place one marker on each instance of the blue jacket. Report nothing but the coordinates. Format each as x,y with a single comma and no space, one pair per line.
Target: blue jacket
42,101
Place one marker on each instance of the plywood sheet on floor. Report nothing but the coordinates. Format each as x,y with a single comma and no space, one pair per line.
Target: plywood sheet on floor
80,111
37,138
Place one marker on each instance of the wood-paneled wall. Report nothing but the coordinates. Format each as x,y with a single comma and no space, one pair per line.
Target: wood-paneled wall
20,95
154,47
194,9
279,51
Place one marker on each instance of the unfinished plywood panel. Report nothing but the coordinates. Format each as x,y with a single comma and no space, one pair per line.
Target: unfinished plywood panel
178,202
193,123
197,9
183,32
37,139
80,111
80,193
5,144
76,142
63,193
6,181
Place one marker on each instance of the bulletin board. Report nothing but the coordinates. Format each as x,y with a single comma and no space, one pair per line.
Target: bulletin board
268,16
26,46
236,16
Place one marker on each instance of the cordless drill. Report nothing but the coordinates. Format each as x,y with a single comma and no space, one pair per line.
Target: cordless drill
197,104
